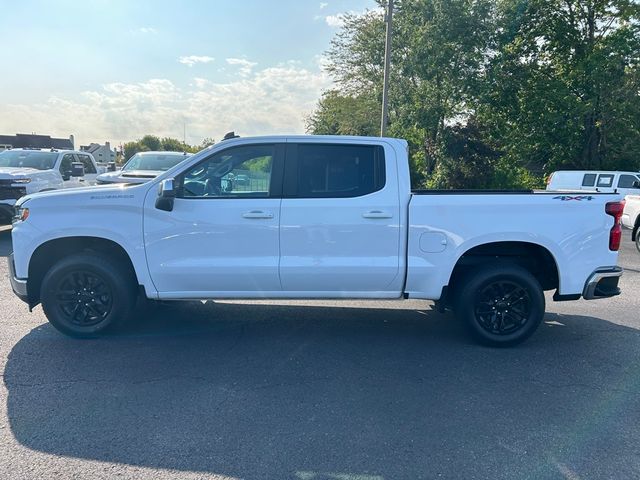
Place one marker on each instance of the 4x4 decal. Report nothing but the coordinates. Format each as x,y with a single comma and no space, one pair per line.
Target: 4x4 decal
579,198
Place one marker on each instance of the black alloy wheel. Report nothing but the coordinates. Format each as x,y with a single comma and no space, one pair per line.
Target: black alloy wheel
84,298
502,307
502,304
86,294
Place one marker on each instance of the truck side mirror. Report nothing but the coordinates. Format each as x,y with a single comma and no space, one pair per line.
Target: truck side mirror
636,184
166,195
77,169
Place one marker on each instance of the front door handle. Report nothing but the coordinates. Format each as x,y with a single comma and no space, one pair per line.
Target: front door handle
257,214
377,214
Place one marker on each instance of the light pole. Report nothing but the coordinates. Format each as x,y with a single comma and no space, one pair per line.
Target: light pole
387,68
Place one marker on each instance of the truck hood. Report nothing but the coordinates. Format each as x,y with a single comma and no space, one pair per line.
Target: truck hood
129,176
81,195
7,173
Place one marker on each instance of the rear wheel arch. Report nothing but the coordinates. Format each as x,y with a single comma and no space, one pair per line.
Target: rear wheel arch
535,258
52,251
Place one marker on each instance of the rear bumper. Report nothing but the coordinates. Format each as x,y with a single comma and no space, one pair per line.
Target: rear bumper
603,283
18,285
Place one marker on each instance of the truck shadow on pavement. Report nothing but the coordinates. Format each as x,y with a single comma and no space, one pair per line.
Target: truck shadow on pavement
299,392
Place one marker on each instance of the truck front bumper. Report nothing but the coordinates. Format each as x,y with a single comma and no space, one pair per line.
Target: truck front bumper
602,283
18,285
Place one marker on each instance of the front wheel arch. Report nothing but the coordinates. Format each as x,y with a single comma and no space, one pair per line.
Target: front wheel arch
52,251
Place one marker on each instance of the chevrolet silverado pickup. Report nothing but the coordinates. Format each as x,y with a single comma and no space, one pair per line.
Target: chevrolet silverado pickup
312,217
28,170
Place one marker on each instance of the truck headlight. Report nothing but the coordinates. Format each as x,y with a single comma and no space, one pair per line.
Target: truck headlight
21,214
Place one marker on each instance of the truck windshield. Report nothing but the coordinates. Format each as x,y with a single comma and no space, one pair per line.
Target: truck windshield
28,159
159,162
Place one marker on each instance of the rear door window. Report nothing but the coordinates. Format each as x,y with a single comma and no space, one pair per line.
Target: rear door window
335,171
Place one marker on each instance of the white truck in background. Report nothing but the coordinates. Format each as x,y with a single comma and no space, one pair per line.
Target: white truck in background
624,183
631,217
313,217
26,171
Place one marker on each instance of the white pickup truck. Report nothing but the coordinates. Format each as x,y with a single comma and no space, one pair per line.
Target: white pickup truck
312,217
25,171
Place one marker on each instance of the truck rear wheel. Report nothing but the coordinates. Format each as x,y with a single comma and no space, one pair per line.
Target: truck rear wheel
85,295
502,305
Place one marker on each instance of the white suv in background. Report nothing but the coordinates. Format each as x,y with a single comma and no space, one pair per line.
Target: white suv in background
25,171
142,167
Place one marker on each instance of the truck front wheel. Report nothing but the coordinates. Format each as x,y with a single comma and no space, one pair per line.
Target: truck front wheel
84,295
502,305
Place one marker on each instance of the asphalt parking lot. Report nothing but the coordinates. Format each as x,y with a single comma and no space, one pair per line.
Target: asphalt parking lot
322,390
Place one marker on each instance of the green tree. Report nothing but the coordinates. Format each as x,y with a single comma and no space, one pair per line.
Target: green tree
437,57
131,148
339,114
562,86
151,143
207,142
494,92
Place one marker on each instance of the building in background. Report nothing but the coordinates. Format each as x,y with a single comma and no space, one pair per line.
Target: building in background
102,153
31,140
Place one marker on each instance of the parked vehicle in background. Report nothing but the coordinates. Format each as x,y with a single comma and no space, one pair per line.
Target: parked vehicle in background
319,217
624,183
142,167
25,171
631,217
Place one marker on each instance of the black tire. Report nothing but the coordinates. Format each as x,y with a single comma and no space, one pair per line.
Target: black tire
85,295
502,305
638,239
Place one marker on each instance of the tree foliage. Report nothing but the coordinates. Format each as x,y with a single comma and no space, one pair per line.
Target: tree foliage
151,143
494,93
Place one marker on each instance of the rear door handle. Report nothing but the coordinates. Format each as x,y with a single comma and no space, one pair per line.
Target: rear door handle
257,214
377,214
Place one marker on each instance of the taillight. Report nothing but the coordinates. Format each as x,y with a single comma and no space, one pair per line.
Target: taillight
549,178
615,209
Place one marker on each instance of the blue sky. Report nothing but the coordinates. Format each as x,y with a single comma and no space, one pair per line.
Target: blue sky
118,69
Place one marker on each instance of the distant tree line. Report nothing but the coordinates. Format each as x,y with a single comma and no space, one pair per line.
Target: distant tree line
493,93
151,143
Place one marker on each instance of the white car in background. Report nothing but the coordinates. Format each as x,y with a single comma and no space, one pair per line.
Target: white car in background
142,167
24,171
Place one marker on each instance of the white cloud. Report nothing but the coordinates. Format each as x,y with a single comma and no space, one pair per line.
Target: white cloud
200,82
150,30
269,101
335,20
245,65
191,60
323,5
